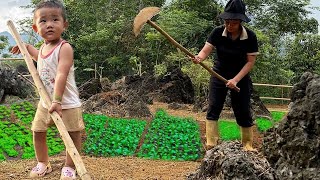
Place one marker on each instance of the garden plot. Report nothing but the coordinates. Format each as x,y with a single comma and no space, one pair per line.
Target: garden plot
174,138
16,136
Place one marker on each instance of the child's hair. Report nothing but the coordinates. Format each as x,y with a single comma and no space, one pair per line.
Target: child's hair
52,4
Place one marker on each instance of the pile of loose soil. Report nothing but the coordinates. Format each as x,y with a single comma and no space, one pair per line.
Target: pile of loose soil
12,85
128,97
228,161
117,104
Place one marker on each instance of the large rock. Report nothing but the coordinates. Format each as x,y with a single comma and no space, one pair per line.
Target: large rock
293,146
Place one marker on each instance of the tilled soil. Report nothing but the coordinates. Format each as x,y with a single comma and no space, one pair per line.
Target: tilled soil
106,168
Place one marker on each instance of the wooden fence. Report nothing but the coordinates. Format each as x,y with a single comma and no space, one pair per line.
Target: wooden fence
284,96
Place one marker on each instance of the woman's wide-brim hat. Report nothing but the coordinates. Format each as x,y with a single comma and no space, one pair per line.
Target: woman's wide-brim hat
235,9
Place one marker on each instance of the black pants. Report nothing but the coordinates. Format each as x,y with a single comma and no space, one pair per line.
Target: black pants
240,101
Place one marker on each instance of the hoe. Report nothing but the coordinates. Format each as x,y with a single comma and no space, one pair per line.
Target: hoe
145,16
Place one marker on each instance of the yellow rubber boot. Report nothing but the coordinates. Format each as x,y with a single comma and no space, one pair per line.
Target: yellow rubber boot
247,139
212,134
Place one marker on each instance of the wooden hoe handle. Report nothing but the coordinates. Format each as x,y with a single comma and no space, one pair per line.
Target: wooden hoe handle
72,150
175,43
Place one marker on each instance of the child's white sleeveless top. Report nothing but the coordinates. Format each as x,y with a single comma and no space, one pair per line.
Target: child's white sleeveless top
47,66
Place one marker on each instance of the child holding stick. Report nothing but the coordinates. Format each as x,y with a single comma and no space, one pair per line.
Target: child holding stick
56,71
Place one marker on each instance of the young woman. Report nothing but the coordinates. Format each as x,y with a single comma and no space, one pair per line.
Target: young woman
236,49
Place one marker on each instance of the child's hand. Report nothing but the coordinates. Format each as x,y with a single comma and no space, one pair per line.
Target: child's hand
55,106
15,50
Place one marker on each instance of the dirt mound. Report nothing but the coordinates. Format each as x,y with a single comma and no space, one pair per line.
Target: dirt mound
128,97
293,146
117,104
175,86
12,84
228,161
90,88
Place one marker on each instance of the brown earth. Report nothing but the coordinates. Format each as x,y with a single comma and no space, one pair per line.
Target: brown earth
106,168
126,167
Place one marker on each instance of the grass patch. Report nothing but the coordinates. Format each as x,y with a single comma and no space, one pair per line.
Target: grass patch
264,124
277,115
228,130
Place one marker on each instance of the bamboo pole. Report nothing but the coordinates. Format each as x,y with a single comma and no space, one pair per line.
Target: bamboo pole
72,150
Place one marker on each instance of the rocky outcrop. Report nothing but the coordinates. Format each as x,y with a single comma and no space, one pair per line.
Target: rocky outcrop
293,146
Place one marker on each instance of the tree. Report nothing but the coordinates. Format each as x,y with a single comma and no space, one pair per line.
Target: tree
102,33
303,54
282,17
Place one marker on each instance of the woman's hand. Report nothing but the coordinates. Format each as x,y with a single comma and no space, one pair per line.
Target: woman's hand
196,59
232,83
